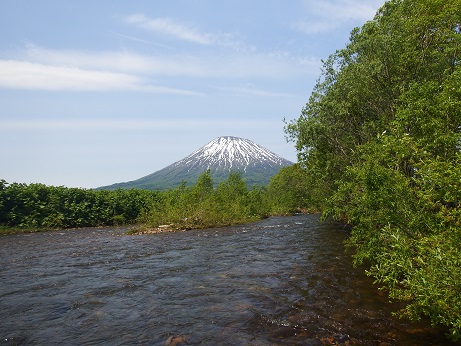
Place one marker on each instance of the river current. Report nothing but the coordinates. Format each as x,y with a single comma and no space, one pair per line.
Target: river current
279,281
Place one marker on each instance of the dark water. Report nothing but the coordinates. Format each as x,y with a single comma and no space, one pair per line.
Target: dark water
280,281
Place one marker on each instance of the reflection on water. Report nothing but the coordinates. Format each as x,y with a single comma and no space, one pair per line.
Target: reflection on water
278,281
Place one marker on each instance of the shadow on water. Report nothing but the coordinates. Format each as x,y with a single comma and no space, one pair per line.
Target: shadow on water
280,281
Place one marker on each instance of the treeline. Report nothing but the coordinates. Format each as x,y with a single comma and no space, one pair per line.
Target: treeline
203,206
37,206
380,143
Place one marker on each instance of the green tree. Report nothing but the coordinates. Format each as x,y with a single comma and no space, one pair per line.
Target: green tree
198,202
259,205
231,199
290,191
380,138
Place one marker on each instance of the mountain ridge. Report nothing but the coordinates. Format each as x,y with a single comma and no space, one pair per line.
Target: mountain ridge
221,156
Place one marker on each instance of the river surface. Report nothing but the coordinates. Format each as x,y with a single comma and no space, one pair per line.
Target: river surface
279,281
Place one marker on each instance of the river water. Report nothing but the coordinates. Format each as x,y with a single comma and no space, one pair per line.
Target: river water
279,281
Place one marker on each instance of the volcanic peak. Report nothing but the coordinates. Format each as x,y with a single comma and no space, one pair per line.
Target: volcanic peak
229,152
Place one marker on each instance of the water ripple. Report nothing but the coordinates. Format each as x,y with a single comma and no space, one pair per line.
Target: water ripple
284,280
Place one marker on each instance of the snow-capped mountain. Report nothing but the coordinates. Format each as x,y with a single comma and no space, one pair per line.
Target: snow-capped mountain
231,153
221,156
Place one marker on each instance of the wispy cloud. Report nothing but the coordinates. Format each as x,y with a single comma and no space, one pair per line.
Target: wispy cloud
137,39
36,67
119,61
17,74
171,28
249,90
315,27
129,124
182,31
344,10
331,14
201,65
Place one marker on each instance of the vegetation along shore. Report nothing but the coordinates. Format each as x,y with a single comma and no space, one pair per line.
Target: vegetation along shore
37,207
380,142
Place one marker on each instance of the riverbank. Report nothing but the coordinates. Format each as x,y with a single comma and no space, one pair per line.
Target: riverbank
15,230
133,229
144,229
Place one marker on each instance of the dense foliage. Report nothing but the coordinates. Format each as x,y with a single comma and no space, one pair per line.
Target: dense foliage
202,205
380,140
291,191
37,206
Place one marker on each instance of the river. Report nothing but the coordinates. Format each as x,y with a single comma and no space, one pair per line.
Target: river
279,281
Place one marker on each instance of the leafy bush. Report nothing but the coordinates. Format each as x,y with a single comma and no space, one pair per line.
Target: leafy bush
37,206
380,141
202,206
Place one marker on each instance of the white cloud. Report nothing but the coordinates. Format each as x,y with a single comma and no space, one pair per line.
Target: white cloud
188,32
130,124
171,28
136,39
315,27
125,62
40,68
249,90
331,14
202,65
17,74
346,10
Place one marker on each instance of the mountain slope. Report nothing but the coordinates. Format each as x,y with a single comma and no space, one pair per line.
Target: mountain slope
221,156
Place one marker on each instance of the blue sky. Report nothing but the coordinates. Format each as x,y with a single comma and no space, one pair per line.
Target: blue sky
98,92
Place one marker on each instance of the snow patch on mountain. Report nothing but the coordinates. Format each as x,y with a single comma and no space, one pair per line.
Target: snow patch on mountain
228,153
